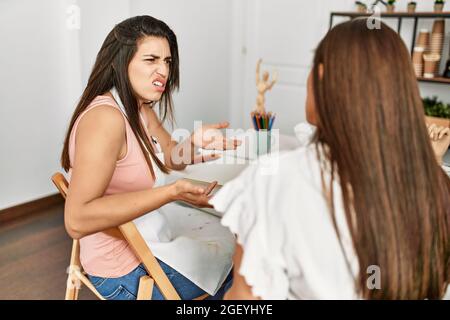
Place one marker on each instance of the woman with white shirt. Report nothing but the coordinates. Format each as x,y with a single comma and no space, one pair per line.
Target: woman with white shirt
361,212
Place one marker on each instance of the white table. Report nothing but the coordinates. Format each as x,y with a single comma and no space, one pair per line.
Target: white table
229,165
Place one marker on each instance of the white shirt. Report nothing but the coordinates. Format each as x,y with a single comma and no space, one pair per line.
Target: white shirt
278,211
282,221
446,169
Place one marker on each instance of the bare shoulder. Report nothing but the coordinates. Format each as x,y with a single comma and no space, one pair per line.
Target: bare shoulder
99,139
101,131
102,118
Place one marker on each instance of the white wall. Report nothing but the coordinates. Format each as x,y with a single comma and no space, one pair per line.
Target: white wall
98,18
203,33
33,97
45,66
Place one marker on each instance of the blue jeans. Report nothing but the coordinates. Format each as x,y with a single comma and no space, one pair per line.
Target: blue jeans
126,287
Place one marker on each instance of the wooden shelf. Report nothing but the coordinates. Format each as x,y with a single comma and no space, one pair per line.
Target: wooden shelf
416,16
399,14
435,80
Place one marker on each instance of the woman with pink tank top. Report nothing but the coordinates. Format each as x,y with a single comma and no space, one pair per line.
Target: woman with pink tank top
110,147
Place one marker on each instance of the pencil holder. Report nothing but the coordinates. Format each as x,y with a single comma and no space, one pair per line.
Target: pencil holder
263,141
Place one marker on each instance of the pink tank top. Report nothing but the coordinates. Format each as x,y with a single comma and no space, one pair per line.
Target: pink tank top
100,254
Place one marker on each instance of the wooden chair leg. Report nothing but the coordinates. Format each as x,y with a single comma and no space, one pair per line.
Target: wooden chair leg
145,290
72,288
73,283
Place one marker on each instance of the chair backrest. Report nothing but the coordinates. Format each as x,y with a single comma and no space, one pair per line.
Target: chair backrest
61,184
130,233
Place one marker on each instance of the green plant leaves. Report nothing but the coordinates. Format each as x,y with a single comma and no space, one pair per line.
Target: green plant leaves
435,108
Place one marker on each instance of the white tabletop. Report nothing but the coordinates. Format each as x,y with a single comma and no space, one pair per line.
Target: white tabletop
231,163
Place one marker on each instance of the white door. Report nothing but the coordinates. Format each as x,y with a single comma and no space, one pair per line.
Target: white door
284,33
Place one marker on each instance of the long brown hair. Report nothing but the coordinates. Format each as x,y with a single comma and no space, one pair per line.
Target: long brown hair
111,69
396,196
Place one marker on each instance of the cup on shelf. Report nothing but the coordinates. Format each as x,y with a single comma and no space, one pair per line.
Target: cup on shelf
437,43
437,36
431,65
417,55
418,70
417,60
436,49
423,40
438,26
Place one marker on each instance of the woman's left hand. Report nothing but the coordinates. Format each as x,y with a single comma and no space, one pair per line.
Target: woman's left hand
440,140
210,137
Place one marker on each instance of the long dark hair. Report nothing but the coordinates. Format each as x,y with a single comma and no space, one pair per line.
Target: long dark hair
111,69
371,126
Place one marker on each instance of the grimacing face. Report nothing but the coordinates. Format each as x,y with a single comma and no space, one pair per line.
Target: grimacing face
149,69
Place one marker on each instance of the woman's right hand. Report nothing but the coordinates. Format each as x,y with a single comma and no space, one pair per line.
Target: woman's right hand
186,191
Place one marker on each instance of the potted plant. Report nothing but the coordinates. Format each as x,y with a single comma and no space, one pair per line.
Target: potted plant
412,6
361,7
390,6
439,5
437,112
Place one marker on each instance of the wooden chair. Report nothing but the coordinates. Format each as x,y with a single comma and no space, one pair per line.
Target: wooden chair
129,233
